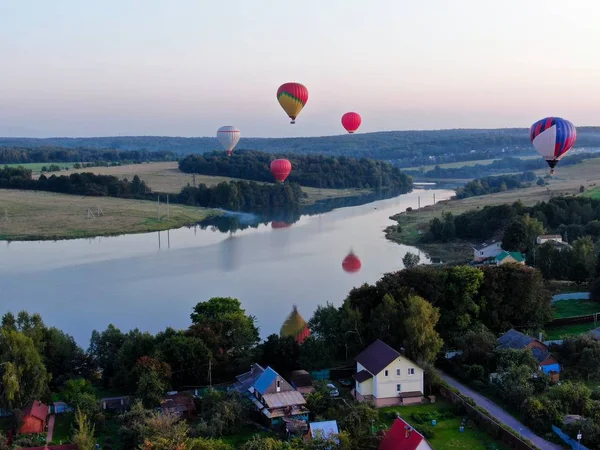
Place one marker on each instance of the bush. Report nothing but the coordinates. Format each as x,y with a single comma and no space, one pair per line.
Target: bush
426,431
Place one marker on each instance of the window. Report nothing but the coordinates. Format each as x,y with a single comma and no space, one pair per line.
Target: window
278,385
398,388
386,373
411,371
398,372
481,253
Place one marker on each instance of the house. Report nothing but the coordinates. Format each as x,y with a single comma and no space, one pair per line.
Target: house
401,436
178,403
503,257
60,408
276,399
518,341
386,377
543,238
246,380
323,430
34,418
487,249
302,381
115,404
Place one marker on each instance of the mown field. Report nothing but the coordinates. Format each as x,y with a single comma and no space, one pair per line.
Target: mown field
27,215
166,177
446,432
573,308
37,167
454,165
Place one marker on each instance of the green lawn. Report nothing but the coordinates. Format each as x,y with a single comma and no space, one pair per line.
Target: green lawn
37,167
568,330
62,428
109,434
571,308
238,439
446,433
592,193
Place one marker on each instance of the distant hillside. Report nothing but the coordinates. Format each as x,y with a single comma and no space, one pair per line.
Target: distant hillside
404,148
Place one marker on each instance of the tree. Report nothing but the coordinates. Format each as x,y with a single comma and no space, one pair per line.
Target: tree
410,260
319,401
477,347
282,354
575,398
584,259
84,433
104,349
209,444
515,236
422,341
540,182
150,389
133,425
164,431
222,413
541,413
24,376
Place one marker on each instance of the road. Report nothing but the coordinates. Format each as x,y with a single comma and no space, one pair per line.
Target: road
500,415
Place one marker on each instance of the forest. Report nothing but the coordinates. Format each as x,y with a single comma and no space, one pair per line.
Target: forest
504,165
235,195
50,154
308,170
501,183
405,148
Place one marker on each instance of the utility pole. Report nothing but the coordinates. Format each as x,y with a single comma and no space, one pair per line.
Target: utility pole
168,239
168,212
419,208
158,207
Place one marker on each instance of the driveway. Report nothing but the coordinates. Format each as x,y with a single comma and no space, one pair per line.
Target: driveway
500,415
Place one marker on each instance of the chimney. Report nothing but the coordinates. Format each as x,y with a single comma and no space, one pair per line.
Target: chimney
540,337
402,351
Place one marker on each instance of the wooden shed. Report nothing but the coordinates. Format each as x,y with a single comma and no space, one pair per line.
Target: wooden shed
34,418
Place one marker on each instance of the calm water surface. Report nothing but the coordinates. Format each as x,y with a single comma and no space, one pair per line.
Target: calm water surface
153,280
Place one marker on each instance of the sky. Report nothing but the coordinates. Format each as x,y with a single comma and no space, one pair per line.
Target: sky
186,67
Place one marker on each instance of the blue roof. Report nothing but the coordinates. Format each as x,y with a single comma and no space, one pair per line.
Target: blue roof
325,430
265,380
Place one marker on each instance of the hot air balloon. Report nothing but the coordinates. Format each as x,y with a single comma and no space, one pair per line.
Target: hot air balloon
295,326
281,168
228,136
351,263
351,121
292,97
553,137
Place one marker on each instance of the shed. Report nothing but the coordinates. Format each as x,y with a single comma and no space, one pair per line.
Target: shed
34,418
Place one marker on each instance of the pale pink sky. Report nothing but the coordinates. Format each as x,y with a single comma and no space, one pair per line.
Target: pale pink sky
186,67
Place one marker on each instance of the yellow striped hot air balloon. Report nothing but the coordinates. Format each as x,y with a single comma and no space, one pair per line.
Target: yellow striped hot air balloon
292,97
295,326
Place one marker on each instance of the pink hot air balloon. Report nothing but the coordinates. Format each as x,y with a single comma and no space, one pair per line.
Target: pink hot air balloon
351,121
281,168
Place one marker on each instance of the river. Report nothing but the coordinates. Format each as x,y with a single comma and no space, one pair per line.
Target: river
153,280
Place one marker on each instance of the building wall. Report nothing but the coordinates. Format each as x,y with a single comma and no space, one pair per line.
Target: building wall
32,425
366,387
284,386
487,252
385,387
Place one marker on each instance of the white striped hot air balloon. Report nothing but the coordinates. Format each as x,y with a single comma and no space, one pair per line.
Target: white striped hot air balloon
228,136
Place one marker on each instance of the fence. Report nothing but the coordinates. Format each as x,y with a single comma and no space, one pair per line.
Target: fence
570,441
575,319
487,423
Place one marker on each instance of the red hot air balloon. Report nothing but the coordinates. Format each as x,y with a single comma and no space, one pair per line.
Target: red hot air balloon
278,225
281,168
351,263
351,121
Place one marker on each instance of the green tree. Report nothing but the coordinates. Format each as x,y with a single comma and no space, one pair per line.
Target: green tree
209,444
281,353
584,259
575,398
541,413
84,433
515,236
477,347
164,431
422,341
24,376
151,389
104,349
133,425
410,260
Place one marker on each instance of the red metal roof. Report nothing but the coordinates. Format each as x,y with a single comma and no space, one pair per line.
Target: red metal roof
38,410
401,437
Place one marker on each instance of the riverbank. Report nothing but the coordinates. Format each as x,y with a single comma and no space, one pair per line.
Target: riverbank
36,215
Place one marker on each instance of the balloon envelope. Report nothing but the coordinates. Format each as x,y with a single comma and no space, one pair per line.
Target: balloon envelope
228,136
351,263
292,97
281,168
276,224
295,326
351,121
553,137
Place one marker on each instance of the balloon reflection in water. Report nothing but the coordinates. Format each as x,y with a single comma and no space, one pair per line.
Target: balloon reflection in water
230,253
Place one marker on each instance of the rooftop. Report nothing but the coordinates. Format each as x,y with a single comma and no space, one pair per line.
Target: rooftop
377,357
514,339
486,244
37,409
401,437
265,380
283,399
323,430
517,256
362,376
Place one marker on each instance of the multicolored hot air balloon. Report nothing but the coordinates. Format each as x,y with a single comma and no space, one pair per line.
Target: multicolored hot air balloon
292,97
351,263
351,121
295,326
553,137
228,136
281,168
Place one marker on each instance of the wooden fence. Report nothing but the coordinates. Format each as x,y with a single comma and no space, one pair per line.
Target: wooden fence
487,423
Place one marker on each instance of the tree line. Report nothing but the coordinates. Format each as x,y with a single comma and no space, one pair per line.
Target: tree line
46,154
234,195
308,170
490,185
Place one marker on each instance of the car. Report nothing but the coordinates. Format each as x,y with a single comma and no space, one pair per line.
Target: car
333,391
346,382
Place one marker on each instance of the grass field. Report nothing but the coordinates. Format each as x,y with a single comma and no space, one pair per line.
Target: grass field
572,308
569,330
446,433
45,215
37,167
166,177
62,428
454,165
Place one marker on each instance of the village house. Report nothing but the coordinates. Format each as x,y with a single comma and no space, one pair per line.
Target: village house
386,377
401,436
273,396
302,381
543,238
503,257
180,404
518,341
487,249
323,430
34,418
